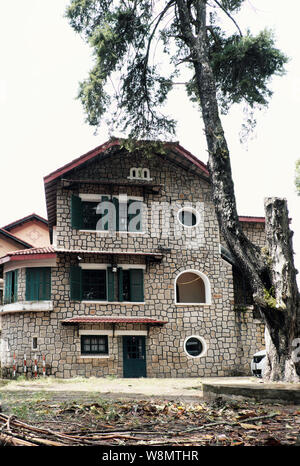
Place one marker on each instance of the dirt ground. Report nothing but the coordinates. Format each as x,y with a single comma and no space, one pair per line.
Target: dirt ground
166,388
104,412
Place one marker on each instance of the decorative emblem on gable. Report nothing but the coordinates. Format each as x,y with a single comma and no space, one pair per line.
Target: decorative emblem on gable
139,173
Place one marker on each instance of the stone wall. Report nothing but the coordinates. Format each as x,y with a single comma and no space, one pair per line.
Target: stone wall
255,232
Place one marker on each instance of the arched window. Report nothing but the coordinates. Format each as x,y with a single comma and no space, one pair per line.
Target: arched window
133,172
192,287
146,173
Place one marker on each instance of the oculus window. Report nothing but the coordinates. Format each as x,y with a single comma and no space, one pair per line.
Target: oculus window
194,346
188,217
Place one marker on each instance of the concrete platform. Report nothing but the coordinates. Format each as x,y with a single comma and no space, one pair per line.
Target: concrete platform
250,388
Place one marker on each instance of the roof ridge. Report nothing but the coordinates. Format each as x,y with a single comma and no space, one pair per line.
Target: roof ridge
25,219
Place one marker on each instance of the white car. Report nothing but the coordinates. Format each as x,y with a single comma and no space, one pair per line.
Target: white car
258,363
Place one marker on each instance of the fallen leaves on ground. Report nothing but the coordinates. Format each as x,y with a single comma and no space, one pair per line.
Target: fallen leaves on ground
144,422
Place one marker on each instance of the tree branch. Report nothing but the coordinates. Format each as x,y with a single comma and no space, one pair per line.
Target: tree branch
229,16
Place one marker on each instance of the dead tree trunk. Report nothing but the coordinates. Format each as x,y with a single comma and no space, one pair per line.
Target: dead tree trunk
263,275
282,317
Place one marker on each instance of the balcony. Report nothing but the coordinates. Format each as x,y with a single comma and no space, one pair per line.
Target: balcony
27,306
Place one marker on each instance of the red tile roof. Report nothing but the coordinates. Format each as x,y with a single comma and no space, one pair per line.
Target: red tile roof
111,319
35,253
50,252
31,251
252,219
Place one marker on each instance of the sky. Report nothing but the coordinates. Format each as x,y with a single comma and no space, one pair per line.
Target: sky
42,124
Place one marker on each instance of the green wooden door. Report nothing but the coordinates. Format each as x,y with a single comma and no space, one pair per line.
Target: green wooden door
134,356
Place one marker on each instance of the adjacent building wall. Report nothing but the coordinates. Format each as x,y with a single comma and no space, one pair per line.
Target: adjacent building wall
8,245
33,232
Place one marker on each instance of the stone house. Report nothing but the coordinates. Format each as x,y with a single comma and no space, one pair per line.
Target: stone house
136,281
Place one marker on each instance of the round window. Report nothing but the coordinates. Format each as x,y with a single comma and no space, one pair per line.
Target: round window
188,217
194,346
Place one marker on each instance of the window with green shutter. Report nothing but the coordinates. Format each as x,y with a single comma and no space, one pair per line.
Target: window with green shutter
102,285
88,285
11,287
76,212
109,213
110,284
38,284
75,283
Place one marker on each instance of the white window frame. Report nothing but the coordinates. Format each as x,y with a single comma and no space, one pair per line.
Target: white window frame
207,288
37,342
101,266
131,332
108,333
203,343
193,211
87,197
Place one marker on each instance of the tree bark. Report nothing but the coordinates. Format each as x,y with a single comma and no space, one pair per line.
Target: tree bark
283,325
282,317
247,255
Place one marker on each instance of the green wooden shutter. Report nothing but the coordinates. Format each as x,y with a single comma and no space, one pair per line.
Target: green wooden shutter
8,285
28,285
115,216
75,283
76,212
45,283
110,284
32,284
137,285
103,221
120,284
16,286
38,284
134,215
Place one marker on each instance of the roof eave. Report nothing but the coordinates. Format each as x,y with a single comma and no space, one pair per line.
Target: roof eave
15,238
